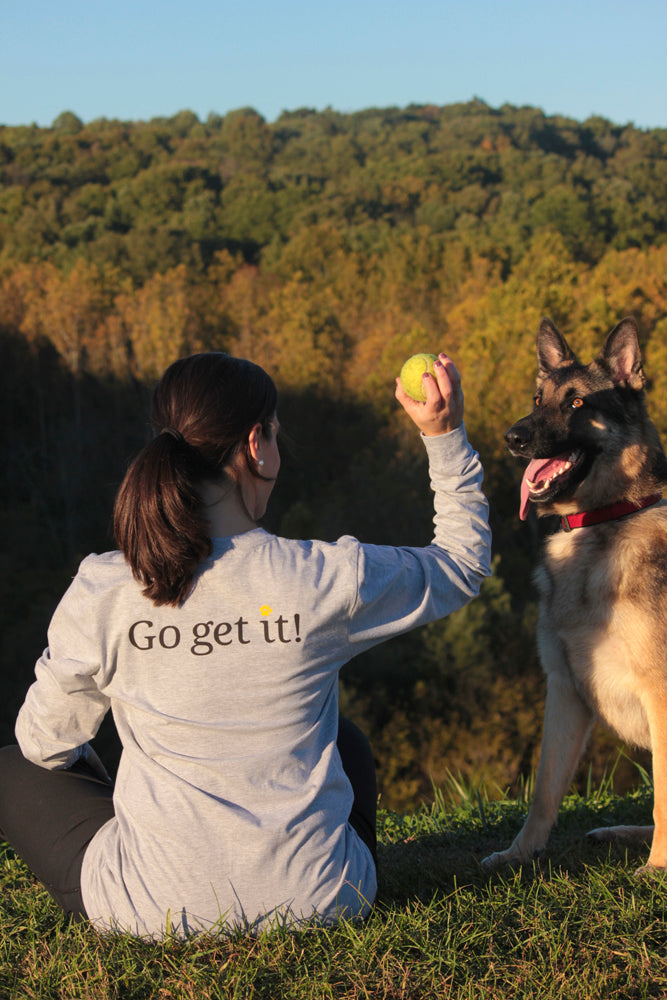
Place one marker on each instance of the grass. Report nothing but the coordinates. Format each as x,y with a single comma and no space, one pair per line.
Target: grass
576,924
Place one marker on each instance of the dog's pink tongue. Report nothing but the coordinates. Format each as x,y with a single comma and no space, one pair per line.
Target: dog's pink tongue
538,469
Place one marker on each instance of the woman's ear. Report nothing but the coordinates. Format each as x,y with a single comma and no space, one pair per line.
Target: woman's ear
254,439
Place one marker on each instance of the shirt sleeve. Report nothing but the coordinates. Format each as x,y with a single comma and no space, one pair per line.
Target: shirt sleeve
402,588
64,707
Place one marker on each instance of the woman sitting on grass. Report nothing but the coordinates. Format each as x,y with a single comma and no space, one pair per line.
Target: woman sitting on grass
242,798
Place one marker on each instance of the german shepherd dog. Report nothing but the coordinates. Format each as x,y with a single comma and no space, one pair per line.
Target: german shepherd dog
596,461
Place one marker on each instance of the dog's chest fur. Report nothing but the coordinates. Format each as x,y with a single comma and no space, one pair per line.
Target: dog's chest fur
602,619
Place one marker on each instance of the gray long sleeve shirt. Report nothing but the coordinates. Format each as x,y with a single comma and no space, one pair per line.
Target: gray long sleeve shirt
231,804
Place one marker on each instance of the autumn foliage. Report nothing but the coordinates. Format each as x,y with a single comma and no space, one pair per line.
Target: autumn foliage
327,248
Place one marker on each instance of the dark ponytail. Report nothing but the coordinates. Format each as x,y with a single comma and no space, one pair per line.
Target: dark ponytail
204,408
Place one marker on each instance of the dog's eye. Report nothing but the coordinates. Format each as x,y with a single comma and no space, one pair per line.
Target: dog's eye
577,402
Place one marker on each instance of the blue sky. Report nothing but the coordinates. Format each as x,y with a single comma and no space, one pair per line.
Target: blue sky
139,59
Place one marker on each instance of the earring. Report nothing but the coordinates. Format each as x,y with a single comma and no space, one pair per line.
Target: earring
260,462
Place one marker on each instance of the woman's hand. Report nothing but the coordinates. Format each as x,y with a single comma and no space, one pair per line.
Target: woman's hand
443,410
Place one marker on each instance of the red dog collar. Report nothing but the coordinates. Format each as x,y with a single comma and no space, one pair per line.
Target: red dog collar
610,513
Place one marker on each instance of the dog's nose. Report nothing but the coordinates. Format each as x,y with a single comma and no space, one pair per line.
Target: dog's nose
518,437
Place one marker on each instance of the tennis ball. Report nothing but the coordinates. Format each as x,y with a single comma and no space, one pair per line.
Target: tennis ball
411,374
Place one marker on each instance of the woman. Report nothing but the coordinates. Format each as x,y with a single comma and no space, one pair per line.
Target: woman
241,799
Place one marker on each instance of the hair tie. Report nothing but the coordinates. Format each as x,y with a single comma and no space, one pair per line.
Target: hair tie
177,436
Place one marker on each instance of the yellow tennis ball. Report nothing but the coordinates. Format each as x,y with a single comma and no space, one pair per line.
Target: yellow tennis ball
411,374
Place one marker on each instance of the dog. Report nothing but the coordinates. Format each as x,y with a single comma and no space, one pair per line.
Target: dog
597,462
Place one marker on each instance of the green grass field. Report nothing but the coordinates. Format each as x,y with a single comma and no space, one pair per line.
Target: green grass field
577,924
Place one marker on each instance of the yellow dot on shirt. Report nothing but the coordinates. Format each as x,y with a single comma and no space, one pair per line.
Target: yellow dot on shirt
265,610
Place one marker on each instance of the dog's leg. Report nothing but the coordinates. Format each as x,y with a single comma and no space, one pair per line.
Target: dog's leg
567,723
656,710
654,835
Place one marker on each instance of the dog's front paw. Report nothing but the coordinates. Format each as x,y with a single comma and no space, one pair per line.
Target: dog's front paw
511,858
650,871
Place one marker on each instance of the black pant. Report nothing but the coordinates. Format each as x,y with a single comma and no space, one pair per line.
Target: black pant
50,817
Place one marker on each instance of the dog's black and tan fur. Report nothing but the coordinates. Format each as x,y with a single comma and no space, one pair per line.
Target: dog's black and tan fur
602,629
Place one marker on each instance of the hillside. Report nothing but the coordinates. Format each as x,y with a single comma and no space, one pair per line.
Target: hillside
145,196
577,923
327,247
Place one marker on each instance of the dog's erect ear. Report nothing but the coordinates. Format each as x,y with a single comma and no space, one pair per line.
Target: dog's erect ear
621,355
552,349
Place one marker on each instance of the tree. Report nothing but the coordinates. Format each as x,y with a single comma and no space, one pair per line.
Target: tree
68,123
157,321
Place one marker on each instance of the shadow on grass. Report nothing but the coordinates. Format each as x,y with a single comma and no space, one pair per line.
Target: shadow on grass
445,854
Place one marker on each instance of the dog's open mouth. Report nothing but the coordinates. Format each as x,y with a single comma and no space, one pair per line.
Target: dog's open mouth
545,478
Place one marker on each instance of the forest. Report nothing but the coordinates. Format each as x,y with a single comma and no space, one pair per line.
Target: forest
327,247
